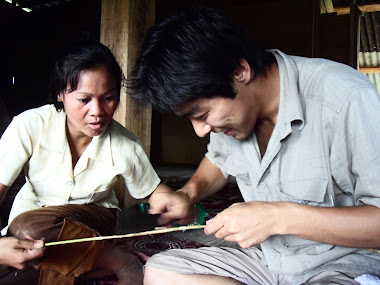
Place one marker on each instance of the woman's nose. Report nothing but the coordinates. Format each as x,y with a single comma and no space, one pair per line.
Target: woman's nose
96,108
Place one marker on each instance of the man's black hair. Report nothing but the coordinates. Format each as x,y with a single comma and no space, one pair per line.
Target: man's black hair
192,54
77,58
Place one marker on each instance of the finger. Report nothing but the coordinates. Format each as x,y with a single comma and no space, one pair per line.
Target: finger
33,254
156,210
31,244
28,237
213,225
167,218
186,221
223,232
242,242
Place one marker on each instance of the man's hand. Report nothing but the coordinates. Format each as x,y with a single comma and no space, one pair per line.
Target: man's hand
18,253
248,223
174,206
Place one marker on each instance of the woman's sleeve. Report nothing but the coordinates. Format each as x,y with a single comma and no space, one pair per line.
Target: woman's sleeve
15,150
143,179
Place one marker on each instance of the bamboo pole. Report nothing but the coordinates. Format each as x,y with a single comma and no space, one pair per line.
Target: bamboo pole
153,232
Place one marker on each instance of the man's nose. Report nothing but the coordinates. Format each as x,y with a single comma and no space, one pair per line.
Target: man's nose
201,128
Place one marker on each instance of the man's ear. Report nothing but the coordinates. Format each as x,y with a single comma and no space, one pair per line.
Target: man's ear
244,72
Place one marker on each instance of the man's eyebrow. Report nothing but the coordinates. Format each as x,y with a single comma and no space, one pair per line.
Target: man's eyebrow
193,110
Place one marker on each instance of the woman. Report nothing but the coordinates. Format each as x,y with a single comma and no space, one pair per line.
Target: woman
72,154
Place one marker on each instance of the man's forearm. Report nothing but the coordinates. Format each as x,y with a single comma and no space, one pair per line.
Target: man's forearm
347,226
207,180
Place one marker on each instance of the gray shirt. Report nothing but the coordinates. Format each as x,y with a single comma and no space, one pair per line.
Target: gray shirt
324,151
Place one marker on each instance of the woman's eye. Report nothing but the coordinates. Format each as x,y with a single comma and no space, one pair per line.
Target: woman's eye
110,98
83,100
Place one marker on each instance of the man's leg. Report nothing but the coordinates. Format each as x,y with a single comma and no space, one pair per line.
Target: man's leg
211,265
334,278
170,277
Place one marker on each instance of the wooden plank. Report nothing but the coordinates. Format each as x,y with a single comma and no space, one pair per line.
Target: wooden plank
327,6
345,10
369,69
123,26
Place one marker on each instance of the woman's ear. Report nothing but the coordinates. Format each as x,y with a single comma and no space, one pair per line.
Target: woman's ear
60,97
244,72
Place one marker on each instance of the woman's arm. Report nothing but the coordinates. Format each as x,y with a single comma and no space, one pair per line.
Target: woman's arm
179,205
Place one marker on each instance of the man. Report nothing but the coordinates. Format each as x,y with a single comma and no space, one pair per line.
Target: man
302,138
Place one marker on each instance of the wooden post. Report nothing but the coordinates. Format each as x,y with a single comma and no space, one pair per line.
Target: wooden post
123,27
354,35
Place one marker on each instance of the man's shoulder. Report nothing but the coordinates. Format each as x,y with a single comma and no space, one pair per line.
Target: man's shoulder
329,81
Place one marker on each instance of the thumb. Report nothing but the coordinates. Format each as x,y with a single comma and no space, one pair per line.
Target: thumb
34,243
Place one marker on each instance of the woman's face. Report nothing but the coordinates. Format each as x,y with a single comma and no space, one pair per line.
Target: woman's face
90,107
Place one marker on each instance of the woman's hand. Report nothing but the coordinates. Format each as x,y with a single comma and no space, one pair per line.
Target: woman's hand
174,206
18,253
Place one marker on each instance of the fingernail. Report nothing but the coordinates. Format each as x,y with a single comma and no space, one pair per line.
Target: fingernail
38,244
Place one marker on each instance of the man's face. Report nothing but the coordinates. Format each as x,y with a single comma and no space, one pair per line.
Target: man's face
234,117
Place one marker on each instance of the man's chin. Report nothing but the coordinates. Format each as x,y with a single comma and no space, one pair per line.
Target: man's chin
241,136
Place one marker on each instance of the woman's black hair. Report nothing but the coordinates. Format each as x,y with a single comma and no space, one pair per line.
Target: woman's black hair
192,54
75,59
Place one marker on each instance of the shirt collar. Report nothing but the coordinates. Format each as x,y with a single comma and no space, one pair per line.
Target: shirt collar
54,136
290,109
100,148
54,139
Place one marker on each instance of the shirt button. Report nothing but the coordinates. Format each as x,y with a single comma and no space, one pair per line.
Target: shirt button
69,183
262,184
286,245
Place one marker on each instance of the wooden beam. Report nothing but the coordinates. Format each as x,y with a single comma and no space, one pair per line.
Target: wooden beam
315,8
375,7
123,26
354,35
327,6
369,69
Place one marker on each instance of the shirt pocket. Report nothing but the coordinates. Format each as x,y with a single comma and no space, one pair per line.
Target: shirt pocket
303,180
309,191
102,195
239,168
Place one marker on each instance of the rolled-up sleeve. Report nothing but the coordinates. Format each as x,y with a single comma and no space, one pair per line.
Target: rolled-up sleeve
15,150
355,151
217,152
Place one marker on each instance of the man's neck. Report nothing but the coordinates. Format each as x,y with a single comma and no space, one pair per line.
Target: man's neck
267,88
